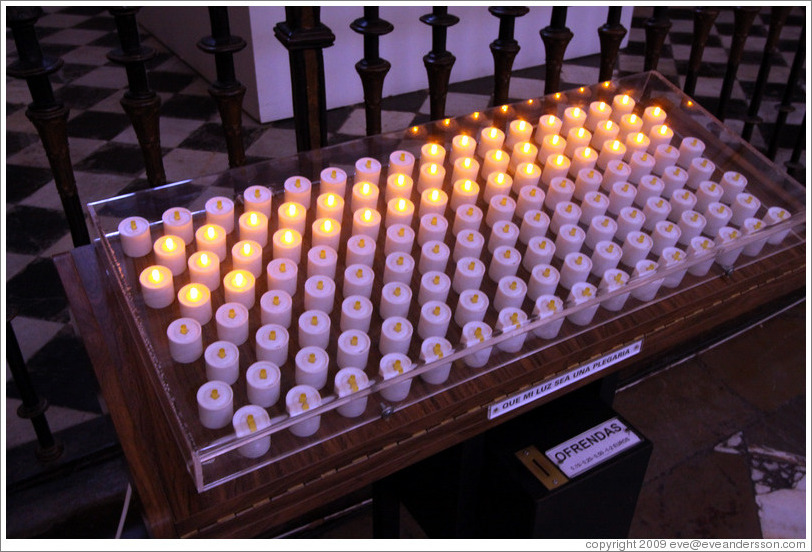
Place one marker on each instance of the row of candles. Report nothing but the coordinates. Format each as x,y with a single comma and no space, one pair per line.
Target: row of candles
616,157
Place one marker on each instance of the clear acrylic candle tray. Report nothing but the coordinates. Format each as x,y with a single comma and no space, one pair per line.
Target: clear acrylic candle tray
212,455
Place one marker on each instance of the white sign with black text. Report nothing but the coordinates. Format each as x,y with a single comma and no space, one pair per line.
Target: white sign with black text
593,446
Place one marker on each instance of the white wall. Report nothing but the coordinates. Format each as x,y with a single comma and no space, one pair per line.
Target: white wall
264,67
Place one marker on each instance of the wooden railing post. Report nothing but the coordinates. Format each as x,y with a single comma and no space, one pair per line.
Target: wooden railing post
611,35
703,21
504,50
741,28
657,27
439,61
372,68
555,36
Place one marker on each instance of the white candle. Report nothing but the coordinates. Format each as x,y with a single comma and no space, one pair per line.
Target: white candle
622,105
298,189
220,211
544,280
432,153
652,117
733,184
545,307
398,185
366,222
311,366
469,244
724,237
431,175
185,340
247,255
691,225
465,168
396,336
621,195
574,117
367,169
630,219
195,302
500,209
681,201
322,259
606,131
467,217
347,381
432,227
527,176
431,350
664,156
222,362
706,193
434,255
613,279
364,196
287,244
314,329
398,267
606,255
665,234
330,205
658,136
232,323
170,251
510,293
468,274
319,293
262,382
717,215
434,286
399,211
700,246
672,256
576,268
523,152
649,186
292,216
744,206
240,287
136,240
569,239
495,160
611,153
276,308
360,250
272,343
490,138
473,333
157,286
615,172
751,226
674,179
548,125
655,210
566,212
497,183
503,233
396,298
561,189
689,149
579,294
358,280
391,366
646,269
472,306
298,401
282,274
356,313
333,181
773,216
641,165
586,181
598,112
636,247
556,166
178,222
254,226
505,262
629,124
215,404
593,205
531,198
509,319
518,131
462,145
552,144
433,201
353,349
399,239
583,159
401,162
701,169
464,191
600,228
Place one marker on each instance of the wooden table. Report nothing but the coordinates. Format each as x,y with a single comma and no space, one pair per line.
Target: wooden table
272,496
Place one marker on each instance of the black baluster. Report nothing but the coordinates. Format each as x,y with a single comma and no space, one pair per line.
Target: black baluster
372,68
227,91
778,16
49,116
657,27
34,406
611,35
794,167
504,50
703,21
438,61
556,36
305,36
139,102
786,100
741,28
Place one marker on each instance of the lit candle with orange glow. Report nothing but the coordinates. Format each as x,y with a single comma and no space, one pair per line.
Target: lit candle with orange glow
287,243
574,117
465,168
598,112
611,153
292,216
464,191
326,231
204,268
552,144
490,138
495,160
497,183
583,158
652,116
605,131
577,138
629,124
518,131
157,286
548,125
240,287
364,196
399,211
432,153
195,302
556,165
398,185
622,104
366,222
433,201
254,226
462,145
659,135
523,152
247,255
432,175
527,174
330,205
636,142
170,251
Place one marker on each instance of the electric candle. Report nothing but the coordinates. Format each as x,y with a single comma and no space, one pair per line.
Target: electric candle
311,367
665,234
465,168
254,226
495,160
664,156
497,183
641,165
539,250
322,260
612,152
356,313
399,211
178,222
298,400
556,166
468,274
656,210
396,298
646,269
195,302
292,216
314,329
276,308
432,227
518,131
613,279
500,209
691,225
637,142
510,292
652,116
157,286
700,246
220,211
621,195
364,196
222,362
391,366
593,205
748,227
579,294
606,131
545,307
396,336
586,182
432,153
257,199
360,250
215,404
471,307
401,162
347,381
576,268
398,267
689,149
598,112
353,349
574,117
472,333
433,201
287,244
366,222
744,206
681,201
658,136
629,124
282,274
733,184
543,280
398,185
600,228
247,255
531,198
319,294
583,159
464,191
170,251
505,262
622,105
706,193
615,172
490,138
523,152
462,145
674,179
672,256
185,340
561,189
717,215
552,144
431,175
399,239
548,125
232,323
262,381
240,287
636,247
135,236
272,345
503,233
630,219
649,186
434,255
358,280
469,244
333,181
331,206
509,319
367,169
724,237
606,255
434,286
432,349
298,189
773,216
701,169
466,217
565,212
527,176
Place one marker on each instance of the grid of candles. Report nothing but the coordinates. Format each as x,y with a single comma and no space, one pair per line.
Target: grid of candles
572,208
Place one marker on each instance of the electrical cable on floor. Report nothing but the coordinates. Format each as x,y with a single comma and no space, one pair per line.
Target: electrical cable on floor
127,498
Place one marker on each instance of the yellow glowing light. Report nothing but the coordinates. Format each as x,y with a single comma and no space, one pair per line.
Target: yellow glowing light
292,210
401,204
287,236
169,245
587,152
415,130
504,109
554,140
521,125
466,185
475,115
576,112
551,120
246,249
633,118
365,189
194,294
559,160
663,130
203,260
500,178
155,275
464,141
330,200
657,111
581,132
615,145
239,280
367,215
446,122
435,195
327,226
529,169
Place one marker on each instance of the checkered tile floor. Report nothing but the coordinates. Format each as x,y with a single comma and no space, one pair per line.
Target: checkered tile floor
108,162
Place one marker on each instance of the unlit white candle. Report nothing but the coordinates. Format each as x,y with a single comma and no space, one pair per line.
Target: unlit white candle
222,362
276,308
282,274
272,343
298,189
185,340
178,222
356,313
220,211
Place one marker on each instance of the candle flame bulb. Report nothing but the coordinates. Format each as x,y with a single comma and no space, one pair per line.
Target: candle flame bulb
219,205
252,425
546,273
354,341
573,231
397,291
397,366
257,193
586,292
433,168
619,278
177,215
478,333
470,211
612,248
551,305
369,163
288,236
252,218
500,178
155,275
367,215
215,394
493,132
537,217
514,318
504,109
331,200
232,313
327,226
438,350
401,206
400,261
282,267
436,311
559,160
506,229
210,233
246,249
581,130
194,295
471,266
272,335
507,253
323,254
169,244
315,322
464,141
579,260
291,210
353,384
183,329
433,149
357,305
239,280
521,124
512,285
576,112
467,162
133,225
398,327
263,374
303,401
625,99
365,188
475,298
359,273
320,285
221,353
497,155
435,249
311,358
